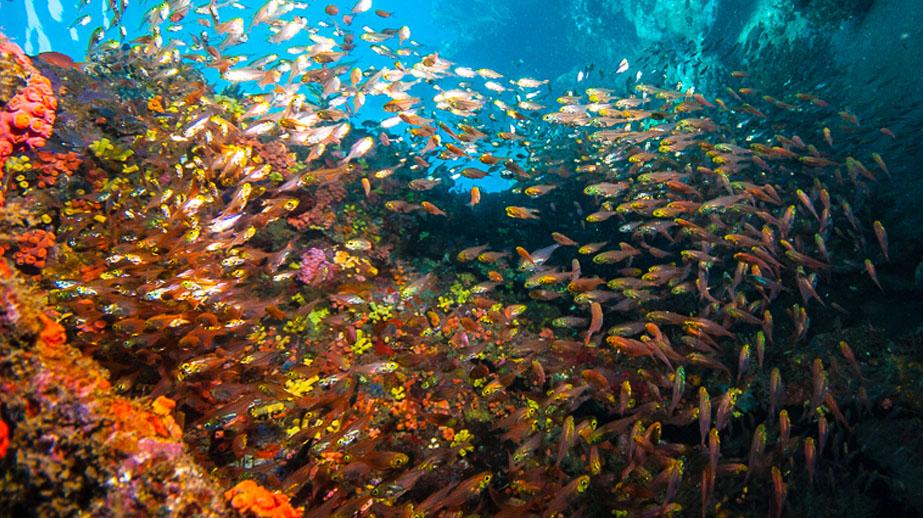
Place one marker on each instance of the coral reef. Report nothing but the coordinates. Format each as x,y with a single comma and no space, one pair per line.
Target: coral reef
27,118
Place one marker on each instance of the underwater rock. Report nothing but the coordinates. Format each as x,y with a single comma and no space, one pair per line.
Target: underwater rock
894,448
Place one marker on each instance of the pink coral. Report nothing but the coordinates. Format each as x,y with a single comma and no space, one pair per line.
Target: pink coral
28,117
315,268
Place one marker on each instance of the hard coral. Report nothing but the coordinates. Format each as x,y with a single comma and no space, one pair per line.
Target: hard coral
248,496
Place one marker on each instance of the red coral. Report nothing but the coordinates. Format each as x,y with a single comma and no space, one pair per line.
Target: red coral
4,438
51,165
248,496
33,248
320,215
27,118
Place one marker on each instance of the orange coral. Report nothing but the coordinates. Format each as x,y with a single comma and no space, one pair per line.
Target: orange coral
130,419
33,248
51,165
163,405
248,496
52,333
155,104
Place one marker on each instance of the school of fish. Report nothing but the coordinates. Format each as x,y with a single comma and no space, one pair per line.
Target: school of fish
624,331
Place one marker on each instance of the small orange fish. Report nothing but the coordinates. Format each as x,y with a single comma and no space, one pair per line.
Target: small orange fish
525,255
432,209
367,187
521,212
596,321
882,237
538,190
488,159
475,196
58,59
562,240
870,269
881,164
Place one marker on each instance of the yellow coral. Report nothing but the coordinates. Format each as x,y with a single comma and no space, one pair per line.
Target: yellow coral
380,313
462,441
18,164
105,149
301,386
362,344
